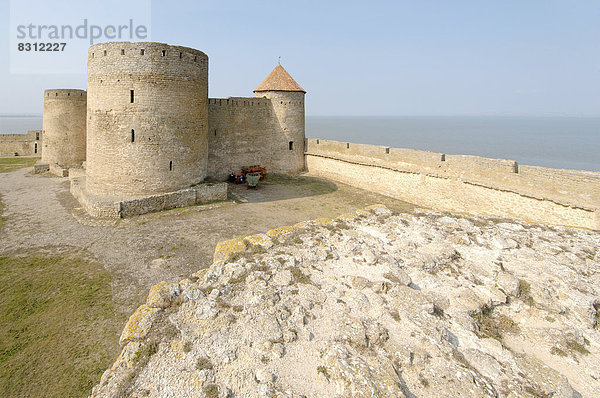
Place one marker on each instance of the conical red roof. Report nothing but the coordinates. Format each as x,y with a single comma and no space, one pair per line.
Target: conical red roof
279,80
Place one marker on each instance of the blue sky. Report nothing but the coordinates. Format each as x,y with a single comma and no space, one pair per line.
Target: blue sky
378,57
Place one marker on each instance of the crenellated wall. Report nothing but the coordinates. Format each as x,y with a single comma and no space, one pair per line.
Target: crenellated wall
29,144
244,131
458,183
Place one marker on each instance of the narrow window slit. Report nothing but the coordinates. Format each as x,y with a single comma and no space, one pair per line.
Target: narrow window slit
131,96
291,145
132,135
170,165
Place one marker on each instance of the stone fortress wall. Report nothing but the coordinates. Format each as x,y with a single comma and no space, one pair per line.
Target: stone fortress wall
147,118
462,184
245,131
64,127
29,144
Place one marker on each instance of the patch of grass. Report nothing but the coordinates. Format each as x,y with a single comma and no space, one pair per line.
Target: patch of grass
396,315
241,278
257,249
211,391
203,363
507,325
332,228
187,346
550,319
2,219
143,355
260,268
59,328
455,256
299,276
574,346
558,351
323,370
223,305
10,164
525,292
238,308
492,326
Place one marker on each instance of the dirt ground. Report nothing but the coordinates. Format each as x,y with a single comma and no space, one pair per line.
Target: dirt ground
42,217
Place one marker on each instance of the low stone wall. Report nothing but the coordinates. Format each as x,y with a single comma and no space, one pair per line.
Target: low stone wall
92,205
103,208
42,167
464,184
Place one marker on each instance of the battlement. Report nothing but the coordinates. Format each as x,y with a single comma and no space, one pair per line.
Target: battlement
30,136
239,101
74,94
248,101
140,57
462,183
418,160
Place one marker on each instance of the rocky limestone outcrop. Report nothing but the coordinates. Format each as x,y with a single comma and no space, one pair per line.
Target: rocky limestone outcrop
375,304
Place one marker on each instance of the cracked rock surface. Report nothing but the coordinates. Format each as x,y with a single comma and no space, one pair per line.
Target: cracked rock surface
380,305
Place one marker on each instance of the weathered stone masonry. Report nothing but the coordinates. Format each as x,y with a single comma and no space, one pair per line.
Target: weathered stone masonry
64,127
147,118
462,184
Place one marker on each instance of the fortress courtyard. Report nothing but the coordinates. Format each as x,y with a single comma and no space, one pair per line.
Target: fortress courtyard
43,218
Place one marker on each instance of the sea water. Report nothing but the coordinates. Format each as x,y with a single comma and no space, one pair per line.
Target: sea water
553,141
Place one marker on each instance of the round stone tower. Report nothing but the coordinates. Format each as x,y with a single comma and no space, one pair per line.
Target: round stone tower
287,99
64,127
147,118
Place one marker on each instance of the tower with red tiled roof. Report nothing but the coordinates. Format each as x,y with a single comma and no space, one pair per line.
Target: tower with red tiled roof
287,100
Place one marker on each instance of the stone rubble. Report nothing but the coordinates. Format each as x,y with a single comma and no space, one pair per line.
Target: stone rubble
375,304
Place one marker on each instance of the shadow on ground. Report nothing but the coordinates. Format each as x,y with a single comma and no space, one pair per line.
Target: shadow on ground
281,187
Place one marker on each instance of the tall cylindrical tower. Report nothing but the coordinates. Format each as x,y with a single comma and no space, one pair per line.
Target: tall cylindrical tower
64,124
147,118
287,100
